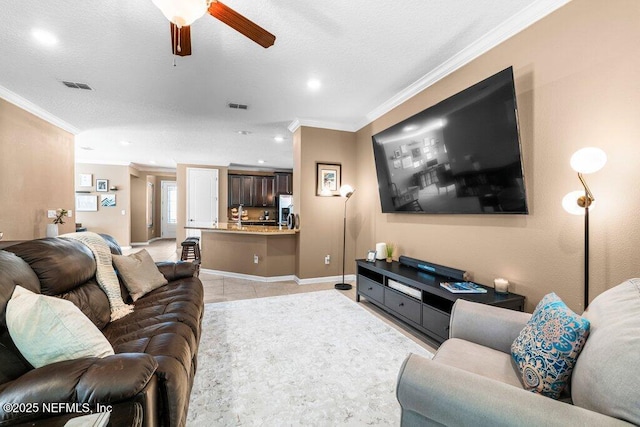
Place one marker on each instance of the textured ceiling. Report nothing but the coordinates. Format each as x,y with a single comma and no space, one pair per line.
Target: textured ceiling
364,52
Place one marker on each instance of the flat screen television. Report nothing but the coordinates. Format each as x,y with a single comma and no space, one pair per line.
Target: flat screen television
460,156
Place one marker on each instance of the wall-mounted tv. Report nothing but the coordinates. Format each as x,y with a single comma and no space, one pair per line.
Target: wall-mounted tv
460,156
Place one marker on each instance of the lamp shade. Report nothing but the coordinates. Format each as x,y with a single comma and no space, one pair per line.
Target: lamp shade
570,203
588,160
182,12
346,191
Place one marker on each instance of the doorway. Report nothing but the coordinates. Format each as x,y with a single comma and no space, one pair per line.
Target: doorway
202,199
169,206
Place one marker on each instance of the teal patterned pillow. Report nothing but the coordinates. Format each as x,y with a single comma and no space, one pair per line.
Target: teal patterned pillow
547,348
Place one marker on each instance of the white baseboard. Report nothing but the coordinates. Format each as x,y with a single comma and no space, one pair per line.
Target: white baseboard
147,243
313,280
310,281
249,276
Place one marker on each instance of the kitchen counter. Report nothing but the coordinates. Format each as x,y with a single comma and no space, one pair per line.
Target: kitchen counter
246,229
253,250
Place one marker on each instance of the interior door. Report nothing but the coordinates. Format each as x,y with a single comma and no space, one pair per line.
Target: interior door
202,199
169,205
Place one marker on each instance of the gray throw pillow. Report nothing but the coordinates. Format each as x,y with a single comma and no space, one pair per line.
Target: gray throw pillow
48,329
139,273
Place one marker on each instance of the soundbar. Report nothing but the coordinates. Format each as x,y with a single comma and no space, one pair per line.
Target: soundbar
440,270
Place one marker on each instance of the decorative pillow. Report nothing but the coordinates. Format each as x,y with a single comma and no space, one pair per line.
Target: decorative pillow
48,329
139,273
547,348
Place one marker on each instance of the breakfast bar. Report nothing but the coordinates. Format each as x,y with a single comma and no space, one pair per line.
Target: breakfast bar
268,252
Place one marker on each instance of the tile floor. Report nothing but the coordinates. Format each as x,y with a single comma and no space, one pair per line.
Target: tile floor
220,288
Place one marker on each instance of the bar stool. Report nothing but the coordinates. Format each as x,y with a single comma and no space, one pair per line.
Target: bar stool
191,250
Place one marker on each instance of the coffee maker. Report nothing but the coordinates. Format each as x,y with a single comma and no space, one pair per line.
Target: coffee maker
285,205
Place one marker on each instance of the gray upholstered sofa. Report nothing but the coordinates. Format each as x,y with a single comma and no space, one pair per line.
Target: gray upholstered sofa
472,380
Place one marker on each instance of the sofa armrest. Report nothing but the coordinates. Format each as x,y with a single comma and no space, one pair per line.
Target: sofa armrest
88,381
176,270
492,327
428,390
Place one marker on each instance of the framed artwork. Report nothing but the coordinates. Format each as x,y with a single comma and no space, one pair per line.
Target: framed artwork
371,256
108,200
396,164
328,179
407,162
102,185
396,154
86,203
86,180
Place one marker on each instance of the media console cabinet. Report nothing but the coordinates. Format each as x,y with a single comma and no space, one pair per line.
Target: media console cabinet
412,293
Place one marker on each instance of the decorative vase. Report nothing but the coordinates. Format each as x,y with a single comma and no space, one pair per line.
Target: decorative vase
389,259
52,230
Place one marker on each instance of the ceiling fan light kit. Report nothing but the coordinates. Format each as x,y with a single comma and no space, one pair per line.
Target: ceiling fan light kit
182,13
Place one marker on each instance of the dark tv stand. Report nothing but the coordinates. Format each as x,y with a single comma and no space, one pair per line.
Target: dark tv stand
416,297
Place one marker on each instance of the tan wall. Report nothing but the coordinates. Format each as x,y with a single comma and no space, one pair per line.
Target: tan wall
109,220
181,182
235,252
577,85
36,173
140,232
322,217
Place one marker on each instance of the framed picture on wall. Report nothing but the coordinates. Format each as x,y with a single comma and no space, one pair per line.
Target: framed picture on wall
86,180
328,179
108,200
102,185
86,203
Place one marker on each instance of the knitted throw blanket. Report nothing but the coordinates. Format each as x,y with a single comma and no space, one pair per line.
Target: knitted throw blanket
105,274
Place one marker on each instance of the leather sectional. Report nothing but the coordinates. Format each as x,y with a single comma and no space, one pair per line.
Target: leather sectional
155,346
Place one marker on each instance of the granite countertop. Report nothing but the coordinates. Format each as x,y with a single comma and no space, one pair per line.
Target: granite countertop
246,229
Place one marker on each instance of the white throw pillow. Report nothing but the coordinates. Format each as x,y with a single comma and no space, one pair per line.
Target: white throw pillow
47,329
139,273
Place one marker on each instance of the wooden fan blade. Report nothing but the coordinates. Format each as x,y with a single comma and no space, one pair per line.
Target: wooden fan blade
180,40
241,24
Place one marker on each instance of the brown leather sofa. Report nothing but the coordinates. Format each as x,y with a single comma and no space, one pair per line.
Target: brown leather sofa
156,345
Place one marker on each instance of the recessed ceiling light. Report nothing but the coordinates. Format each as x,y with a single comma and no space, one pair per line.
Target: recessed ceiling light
86,148
261,161
243,132
314,84
278,139
410,128
153,162
44,37
125,143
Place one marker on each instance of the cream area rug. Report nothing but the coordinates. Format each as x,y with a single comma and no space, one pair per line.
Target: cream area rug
313,359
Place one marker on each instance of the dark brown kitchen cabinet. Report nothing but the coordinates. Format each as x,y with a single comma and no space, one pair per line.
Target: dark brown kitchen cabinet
263,191
284,183
241,190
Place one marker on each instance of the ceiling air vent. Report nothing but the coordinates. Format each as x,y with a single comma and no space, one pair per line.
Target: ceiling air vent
238,106
74,85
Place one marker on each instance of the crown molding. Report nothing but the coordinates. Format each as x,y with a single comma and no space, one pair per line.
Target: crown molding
102,162
493,38
297,123
32,108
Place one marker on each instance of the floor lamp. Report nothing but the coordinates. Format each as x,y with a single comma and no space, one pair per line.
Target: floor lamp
345,191
584,161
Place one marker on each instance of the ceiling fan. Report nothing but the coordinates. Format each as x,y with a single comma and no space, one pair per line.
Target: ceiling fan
182,13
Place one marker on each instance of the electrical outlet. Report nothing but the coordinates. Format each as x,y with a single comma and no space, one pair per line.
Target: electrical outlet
255,259
51,213
69,213
327,259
